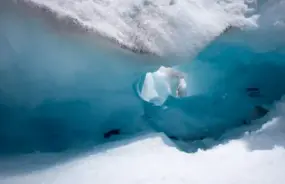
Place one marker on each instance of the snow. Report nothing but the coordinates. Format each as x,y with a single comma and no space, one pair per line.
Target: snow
158,26
257,157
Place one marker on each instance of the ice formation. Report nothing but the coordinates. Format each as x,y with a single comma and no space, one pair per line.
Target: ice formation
165,82
256,157
162,77
63,85
62,80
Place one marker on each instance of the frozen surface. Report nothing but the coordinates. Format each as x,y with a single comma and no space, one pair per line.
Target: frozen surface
159,85
255,157
159,26
226,85
61,89
60,93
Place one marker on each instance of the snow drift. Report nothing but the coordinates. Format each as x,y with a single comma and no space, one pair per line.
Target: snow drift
160,27
260,153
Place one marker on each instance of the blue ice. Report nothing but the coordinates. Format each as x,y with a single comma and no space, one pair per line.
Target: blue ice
58,92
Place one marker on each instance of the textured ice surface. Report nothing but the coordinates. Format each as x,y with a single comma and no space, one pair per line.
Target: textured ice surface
57,92
60,90
159,85
226,86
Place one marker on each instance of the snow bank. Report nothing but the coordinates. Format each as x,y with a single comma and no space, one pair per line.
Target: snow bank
257,157
160,27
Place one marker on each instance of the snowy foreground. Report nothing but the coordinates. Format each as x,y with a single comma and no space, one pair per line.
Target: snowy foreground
257,157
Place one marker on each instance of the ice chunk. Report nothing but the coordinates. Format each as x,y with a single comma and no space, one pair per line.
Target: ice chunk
163,83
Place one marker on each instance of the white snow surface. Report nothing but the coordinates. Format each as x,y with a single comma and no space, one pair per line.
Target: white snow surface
160,26
256,157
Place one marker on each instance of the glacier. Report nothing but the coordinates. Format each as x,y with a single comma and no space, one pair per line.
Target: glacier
92,84
52,90
66,85
220,89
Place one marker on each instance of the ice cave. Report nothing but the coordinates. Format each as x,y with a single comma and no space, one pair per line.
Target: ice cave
61,91
74,76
